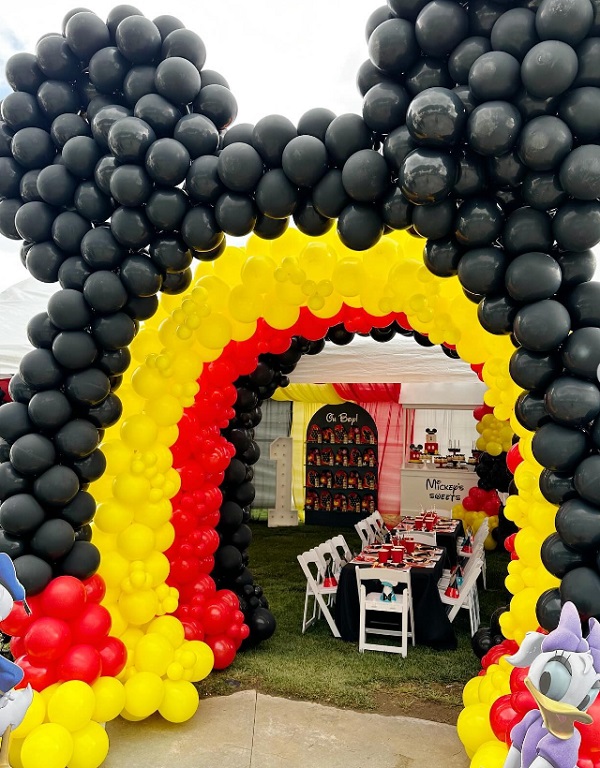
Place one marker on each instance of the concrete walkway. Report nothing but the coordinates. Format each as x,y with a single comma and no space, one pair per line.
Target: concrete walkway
250,730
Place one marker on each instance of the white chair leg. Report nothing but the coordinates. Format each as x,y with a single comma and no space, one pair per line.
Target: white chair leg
404,627
361,631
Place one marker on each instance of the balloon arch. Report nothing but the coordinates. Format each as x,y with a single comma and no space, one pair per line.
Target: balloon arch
118,166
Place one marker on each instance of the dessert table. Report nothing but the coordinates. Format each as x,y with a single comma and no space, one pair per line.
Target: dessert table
432,626
449,533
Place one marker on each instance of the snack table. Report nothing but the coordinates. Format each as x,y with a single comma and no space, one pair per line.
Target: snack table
423,487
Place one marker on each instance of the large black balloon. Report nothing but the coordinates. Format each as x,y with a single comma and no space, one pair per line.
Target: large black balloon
57,486
33,573
559,448
262,626
49,410
82,561
542,326
530,410
581,353
393,46
20,514
549,68
573,402
440,27
557,487
427,176
534,370
493,127
53,539
436,117
583,303
497,313
548,609
533,276
567,20
581,586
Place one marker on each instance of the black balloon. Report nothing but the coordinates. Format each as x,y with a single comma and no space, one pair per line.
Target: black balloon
33,573
559,448
582,587
548,609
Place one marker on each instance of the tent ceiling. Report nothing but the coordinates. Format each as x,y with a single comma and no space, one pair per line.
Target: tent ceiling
400,360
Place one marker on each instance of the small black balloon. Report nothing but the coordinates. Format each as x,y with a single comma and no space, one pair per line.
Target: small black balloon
496,314
530,410
548,609
557,487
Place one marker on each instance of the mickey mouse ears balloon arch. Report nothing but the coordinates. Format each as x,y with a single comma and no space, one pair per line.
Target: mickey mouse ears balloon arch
466,200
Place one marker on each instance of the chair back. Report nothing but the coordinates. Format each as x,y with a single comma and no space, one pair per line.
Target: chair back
422,537
364,531
392,576
341,548
310,562
325,554
482,533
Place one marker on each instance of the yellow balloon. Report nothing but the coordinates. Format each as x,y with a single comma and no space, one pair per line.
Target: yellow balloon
180,701
169,627
14,753
144,693
139,607
90,747
139,431
474,727
470,694
110,699
34,716
72,705
158,566
165,410
205,659
492,754
153,653
112,516
48,746
136,542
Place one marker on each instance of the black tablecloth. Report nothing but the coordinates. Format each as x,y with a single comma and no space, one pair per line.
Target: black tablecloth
432,625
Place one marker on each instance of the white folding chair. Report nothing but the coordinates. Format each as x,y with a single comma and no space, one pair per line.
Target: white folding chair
373,601
377,517
479,549
467,596
311,567
421,537
375,527
341,553
365,532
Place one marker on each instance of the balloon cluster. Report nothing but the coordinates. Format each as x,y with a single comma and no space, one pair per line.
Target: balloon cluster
495,436
476,506
66,635
493,472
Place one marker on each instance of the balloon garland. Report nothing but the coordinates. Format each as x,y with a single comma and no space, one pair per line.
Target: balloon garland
477,133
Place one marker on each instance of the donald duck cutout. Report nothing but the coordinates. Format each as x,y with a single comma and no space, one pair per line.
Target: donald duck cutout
564,680
13,704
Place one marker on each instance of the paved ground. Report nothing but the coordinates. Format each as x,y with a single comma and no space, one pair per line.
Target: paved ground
250,730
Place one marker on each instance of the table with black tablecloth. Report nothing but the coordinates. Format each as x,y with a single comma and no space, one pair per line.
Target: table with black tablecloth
433,628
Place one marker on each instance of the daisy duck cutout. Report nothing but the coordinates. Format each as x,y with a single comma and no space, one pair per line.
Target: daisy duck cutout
564,680
13,704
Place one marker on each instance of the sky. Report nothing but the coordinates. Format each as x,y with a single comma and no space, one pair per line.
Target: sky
279,57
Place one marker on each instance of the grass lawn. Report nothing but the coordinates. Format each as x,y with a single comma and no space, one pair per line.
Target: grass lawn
317,667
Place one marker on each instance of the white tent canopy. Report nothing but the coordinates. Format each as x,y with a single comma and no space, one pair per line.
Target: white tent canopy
429,378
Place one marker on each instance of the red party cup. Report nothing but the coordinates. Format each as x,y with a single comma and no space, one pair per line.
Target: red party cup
409,545
419,524
398,555
429,525
383,555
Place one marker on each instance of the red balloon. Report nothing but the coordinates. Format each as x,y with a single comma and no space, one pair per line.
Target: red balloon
223,649
113,655
92,625
478,495
517,679
215,619
64,598
80,662
95,588
469,504
491,508
17,647
522,702
502,718
513,458
204,585
230,599
193,630
17,622
493,656
38,677
47,639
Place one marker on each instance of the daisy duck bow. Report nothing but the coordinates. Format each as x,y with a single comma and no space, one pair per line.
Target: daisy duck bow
13,704
564,680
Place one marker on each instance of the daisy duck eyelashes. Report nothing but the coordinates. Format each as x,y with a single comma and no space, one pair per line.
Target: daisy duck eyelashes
564,680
